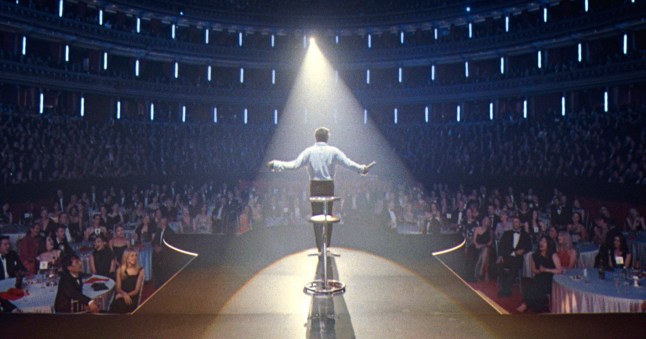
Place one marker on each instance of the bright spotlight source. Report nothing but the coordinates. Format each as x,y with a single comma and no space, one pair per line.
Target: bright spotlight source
312,41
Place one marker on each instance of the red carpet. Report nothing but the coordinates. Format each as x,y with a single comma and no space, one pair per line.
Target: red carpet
490,289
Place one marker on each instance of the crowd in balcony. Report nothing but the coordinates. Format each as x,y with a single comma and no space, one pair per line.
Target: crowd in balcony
600,146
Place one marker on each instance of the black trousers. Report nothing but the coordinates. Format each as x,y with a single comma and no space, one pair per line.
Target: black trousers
321,188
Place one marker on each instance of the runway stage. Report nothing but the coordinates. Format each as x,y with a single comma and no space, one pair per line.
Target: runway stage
251,286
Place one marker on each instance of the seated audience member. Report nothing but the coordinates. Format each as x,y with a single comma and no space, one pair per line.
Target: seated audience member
634,221
482,239
119,243
6,217
10,263
74,226
553,235
513,245
60,241
618,255
503,226
545,263
535,227
95,228
600,231
566,252
46,223
29,247
51,254
146,230
70,287
577,229
102,260
128,283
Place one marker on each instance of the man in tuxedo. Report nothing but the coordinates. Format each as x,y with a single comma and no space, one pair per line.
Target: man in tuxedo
9,261
70,287
513,245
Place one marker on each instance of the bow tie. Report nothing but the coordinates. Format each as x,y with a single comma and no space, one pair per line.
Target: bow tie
516,232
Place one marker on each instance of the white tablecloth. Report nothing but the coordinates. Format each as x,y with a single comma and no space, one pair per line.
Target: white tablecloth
572,294
41,298
587,252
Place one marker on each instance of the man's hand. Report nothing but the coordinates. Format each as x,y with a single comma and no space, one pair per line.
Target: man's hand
367,168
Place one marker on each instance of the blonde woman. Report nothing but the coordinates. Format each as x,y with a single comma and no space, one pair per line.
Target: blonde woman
130,278
566,252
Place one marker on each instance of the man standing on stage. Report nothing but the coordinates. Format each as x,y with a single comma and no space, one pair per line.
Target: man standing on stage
321,159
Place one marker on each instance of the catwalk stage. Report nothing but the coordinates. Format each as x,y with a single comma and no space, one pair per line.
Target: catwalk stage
251,286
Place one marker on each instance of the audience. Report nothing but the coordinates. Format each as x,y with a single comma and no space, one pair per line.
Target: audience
102,261
70,288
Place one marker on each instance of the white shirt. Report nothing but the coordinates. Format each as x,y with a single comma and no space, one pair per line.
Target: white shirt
4,266
321,159
515,243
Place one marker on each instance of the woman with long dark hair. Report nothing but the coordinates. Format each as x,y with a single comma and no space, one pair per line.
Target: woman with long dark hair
545,263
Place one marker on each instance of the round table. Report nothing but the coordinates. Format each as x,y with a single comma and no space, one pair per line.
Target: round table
572,293
41,297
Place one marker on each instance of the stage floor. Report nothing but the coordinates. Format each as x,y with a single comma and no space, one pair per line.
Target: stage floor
251,286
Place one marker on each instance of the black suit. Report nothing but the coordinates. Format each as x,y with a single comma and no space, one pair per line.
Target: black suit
508,269
63,246
69,288
13,265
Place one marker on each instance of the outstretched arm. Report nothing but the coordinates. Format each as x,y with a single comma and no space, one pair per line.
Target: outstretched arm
277,165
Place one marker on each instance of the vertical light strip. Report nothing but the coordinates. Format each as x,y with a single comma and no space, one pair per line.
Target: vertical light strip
369,40
563,105
183,113
539,59
395,117
273,41
207,33
118,109
435,33
242,75
400,75
625,44
60,8
586,5
507,23
275,117
544,14
137,67
525,109
365,116
368,76
433,72
304,40
273,76
172,31
458,113
176,70
209,72
24,45
466,69
239,39
401,37
105,61
502,65
41,103
215,115
426,114
490,110
605,101
336,39
82,106
580,52
246,116
138,25
67,53
470,30
152,111
100,17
